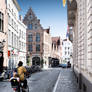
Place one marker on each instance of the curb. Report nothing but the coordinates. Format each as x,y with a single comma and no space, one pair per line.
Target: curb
55,87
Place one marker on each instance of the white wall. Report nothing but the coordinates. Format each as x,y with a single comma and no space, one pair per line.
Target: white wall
67,48
18,52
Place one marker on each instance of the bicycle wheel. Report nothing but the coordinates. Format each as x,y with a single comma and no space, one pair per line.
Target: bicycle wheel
25,89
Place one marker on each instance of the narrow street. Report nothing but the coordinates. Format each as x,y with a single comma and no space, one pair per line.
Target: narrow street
39,82
51,80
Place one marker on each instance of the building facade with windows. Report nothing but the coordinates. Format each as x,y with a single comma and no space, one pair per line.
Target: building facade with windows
67,51
34,38
22,41
47,43
16,42
80,19
3,34
56,48
38,41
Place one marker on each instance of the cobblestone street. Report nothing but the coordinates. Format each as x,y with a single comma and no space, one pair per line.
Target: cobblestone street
51,80
66,82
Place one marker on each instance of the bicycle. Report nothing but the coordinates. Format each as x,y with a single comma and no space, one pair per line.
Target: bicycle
18,86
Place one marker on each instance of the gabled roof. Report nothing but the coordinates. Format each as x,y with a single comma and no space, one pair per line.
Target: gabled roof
27,20
47,30
56,40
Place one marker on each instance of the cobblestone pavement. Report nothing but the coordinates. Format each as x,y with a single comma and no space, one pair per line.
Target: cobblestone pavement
46,81
66,82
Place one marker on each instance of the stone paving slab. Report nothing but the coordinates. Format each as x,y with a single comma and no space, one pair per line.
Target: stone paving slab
66,82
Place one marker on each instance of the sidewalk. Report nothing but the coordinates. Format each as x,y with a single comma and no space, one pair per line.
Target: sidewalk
66,82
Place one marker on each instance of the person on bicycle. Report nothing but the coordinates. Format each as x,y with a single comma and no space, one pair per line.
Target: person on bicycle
21,72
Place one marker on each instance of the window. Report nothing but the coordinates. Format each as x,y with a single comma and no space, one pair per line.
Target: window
54,46
12,22
5,1
22,45
30,26
37,47
25,36
9,37
65,53
9,19
15,40
68,58
31,17
65,48
22,34
30,38
30,48
12,38
37,37
1,22
35,26
19,45
12,11
16,27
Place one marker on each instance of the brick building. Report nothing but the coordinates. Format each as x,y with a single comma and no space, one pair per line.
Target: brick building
38,47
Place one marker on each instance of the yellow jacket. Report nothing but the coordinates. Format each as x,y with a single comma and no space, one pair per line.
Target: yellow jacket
21,71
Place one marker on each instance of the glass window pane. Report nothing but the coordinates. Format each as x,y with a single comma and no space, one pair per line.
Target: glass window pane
37,37
30,26
37,47
30,48
30,38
